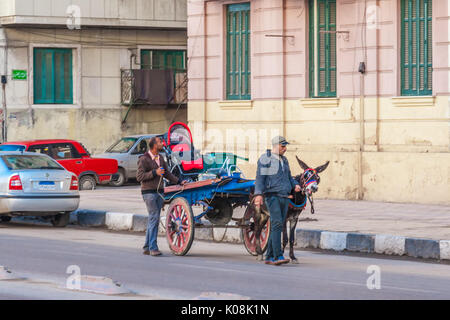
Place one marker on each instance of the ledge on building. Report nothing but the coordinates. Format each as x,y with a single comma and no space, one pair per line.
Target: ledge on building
236,104
414,101
320,102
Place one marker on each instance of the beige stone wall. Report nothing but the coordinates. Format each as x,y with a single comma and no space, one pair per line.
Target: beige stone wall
98,56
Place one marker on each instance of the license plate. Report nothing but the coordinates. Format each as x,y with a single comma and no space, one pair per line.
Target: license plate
47,185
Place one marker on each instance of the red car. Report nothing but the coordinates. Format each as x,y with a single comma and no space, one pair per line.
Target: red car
73,156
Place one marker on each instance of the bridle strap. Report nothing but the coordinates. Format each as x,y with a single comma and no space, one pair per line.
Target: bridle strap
309,181
306,183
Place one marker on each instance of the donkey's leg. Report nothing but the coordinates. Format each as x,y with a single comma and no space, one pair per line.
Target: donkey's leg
293,225
285,235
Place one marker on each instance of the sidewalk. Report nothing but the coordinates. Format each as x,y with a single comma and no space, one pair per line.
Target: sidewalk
399,219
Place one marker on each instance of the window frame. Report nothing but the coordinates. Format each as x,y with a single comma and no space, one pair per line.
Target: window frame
54,99
314,50
428,50
239,75
166,53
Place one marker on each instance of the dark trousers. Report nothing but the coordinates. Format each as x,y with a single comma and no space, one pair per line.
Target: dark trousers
278,208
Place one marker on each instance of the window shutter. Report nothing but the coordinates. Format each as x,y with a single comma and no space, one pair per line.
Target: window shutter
416,35
238,51
146,59
43,76
326,47
63,75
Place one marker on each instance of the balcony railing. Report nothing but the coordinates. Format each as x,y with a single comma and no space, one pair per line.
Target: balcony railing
129,83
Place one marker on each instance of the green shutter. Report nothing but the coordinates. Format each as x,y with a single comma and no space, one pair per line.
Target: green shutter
164,59
238,52
416,47
53,82
326,48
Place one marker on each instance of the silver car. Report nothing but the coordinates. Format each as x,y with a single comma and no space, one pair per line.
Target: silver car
36,185
127,152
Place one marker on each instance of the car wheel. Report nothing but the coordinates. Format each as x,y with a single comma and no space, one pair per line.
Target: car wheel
87,183
121,180
61,220
5,219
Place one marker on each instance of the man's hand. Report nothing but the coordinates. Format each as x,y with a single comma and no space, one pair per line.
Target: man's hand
183,182
160,171
258,201
297,188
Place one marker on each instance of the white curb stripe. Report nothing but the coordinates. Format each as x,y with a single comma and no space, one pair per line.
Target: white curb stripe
119,221
389,244
444,247
333,240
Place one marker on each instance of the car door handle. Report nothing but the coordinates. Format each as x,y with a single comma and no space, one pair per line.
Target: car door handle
79,162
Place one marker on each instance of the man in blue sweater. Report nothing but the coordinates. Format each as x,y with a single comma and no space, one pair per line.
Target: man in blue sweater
275,182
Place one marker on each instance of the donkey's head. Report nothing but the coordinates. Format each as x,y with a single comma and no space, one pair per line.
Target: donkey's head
309,179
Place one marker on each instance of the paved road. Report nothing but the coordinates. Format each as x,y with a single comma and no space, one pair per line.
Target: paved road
42,254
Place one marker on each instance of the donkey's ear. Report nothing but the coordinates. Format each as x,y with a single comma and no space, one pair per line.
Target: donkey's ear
322,167
302,164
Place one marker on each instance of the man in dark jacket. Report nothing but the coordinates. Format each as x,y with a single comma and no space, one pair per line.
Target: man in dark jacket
275,182
151,170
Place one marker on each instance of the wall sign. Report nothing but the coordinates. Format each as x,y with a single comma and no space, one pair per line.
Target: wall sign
19,74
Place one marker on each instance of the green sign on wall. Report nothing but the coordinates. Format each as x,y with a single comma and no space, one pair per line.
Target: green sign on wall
19,74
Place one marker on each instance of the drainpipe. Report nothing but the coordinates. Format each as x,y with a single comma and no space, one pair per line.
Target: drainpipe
205,52
361,136
4,127
283,79
377,123
4,80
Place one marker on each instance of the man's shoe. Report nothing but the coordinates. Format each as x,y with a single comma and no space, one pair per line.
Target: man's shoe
146,252
281,260
269,261
155,253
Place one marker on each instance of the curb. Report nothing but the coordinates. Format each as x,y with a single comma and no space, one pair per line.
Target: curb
305,238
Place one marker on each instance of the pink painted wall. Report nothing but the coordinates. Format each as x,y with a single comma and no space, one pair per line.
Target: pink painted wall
279,65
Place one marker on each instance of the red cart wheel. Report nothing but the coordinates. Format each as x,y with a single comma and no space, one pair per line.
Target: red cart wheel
179,226
248,233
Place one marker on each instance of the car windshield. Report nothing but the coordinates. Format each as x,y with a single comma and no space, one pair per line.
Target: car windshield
122,146
11,147
28,162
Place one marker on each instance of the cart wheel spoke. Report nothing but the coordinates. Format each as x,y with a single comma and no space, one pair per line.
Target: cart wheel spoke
177,212
252,237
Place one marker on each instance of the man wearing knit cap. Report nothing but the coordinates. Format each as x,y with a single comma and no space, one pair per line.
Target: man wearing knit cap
275,182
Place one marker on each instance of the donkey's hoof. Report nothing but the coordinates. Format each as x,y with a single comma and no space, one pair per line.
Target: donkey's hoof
294,261
259,257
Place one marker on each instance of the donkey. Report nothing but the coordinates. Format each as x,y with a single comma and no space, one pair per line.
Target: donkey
308,181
